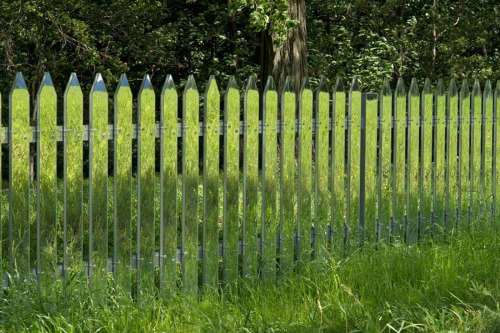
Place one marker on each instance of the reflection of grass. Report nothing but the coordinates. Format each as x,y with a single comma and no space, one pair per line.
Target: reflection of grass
452,287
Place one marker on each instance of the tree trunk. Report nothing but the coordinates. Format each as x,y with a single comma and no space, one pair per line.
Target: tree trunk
290,59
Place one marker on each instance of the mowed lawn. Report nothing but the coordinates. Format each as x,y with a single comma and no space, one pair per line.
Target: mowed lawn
451,285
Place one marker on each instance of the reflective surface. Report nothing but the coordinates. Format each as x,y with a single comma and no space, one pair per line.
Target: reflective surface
211,185
304,197
231,182
47,185
322,162
269,182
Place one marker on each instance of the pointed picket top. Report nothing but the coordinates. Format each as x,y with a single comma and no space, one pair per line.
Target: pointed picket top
427,87
339,85
46,80
322,85
190,84
452,90
98,85
73,80
73,84
487,89
288,85
440,87
251,85
169,83
46,83
414,87
211,85
386,87
18,83
476,91
400,87
122,84
464,90
355,85
306,85
231,84
270,86
146,84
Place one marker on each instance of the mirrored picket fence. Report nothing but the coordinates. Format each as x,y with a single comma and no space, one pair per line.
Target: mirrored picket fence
248,186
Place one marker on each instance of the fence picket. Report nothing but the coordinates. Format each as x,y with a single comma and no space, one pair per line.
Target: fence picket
452,154
426,132
251,221
385,165
98,182
210,245
399,181
269,182
439,213
412,171
321,159
371,158
476,171
19,181
47,222
431,168
287,188
304,194
231,221
146,129
496,149
487,152
122,245
353,161
168,187
73,180
338,165
464,175
190,169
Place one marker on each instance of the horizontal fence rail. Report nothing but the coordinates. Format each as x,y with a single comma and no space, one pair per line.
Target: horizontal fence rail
252,190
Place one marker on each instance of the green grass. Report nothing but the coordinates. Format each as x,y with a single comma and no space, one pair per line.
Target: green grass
451,286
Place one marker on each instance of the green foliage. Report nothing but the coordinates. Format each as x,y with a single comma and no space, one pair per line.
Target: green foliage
369,39
425,288
373,39
268,15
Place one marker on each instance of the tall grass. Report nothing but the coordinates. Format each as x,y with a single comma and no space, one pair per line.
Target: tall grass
452,286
